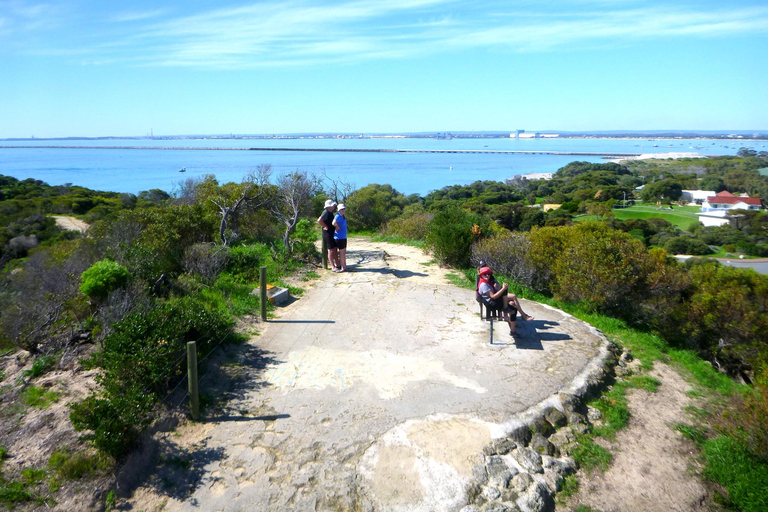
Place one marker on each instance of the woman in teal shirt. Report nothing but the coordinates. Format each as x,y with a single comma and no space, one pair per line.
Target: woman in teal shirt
340,236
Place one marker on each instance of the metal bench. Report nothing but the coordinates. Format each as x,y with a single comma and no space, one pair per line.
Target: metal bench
487,314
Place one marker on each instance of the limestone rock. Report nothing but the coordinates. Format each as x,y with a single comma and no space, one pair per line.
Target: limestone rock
521,482
521,435
538,498
593,414
541,445
529,460
542,427
556,418
500,447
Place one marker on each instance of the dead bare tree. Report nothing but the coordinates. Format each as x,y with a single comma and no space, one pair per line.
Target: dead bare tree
337,189
294,190
252,192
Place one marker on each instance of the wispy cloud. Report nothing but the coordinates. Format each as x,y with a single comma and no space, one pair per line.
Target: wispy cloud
130,16
298,32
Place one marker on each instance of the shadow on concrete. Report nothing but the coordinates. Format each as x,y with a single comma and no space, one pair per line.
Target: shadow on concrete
268,417
302,321
232,373
400,274
534,332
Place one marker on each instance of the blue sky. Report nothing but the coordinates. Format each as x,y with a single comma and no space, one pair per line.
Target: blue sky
94,68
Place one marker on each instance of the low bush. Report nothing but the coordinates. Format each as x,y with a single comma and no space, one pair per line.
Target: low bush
102,278
452,232
142,359
413,227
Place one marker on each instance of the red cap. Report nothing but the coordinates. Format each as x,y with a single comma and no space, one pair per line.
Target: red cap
484,270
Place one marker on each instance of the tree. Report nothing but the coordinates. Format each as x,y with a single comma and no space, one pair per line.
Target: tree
251,193
294,190
667,190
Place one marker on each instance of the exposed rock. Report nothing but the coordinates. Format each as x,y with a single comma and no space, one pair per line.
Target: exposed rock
521,482
563,466
470,508
541,445
491,493
538,498
569,402
563,438
509,495
556,418
500,447
529,460
553,480
521,435
499,474
543,427
593,414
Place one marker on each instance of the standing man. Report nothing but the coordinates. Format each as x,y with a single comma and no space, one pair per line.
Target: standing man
326,222
340,236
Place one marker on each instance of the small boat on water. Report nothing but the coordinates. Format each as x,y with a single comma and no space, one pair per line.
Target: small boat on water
183,169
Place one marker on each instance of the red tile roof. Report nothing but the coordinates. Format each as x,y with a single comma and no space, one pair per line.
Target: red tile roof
729,198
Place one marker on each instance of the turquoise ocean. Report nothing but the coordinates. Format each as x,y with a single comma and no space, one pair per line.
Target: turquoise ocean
133,165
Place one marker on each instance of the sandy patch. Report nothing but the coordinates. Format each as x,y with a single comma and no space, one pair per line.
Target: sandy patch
651,469
70,223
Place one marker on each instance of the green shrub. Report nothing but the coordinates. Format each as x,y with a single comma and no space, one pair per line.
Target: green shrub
452,232
104,277
413,227
41,365
141,359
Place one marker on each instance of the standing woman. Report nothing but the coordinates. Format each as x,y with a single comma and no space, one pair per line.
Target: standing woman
326,221
340,236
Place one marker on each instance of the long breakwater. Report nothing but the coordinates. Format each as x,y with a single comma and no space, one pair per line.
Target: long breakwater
339,150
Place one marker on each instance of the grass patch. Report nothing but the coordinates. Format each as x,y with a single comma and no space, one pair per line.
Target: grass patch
39,397
591,456
613,406
14,492
695,434
310,276
741,473
41,365
570,487
460,280
78,465
645,382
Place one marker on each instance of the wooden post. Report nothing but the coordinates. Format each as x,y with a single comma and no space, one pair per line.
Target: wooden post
263,296
324,250
194,395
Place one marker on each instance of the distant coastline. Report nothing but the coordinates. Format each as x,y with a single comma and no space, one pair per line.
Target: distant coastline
742,135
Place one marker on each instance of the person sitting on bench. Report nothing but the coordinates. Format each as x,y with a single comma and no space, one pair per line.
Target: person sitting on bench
495,296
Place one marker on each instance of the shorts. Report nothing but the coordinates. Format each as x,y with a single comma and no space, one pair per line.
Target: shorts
330,242
341,243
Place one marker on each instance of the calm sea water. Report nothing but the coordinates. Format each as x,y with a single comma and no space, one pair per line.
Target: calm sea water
134,170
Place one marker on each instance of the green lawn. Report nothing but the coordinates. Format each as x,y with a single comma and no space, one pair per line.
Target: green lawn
681,217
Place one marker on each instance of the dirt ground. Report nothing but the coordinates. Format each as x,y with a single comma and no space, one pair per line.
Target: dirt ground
653,465
70,223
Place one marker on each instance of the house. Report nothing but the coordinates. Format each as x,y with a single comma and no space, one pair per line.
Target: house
726,201
714,211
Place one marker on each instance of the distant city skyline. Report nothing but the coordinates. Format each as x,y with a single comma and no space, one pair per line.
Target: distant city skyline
82,68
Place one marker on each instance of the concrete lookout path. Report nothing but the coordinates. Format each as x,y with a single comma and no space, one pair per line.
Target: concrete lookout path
381,393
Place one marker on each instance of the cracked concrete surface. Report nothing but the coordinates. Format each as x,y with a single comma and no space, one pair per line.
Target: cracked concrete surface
381,393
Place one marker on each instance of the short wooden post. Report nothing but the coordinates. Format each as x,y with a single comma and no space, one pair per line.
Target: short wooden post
263,296
194,394
324,250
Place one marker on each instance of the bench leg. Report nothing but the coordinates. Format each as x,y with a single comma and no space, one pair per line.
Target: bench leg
491,330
